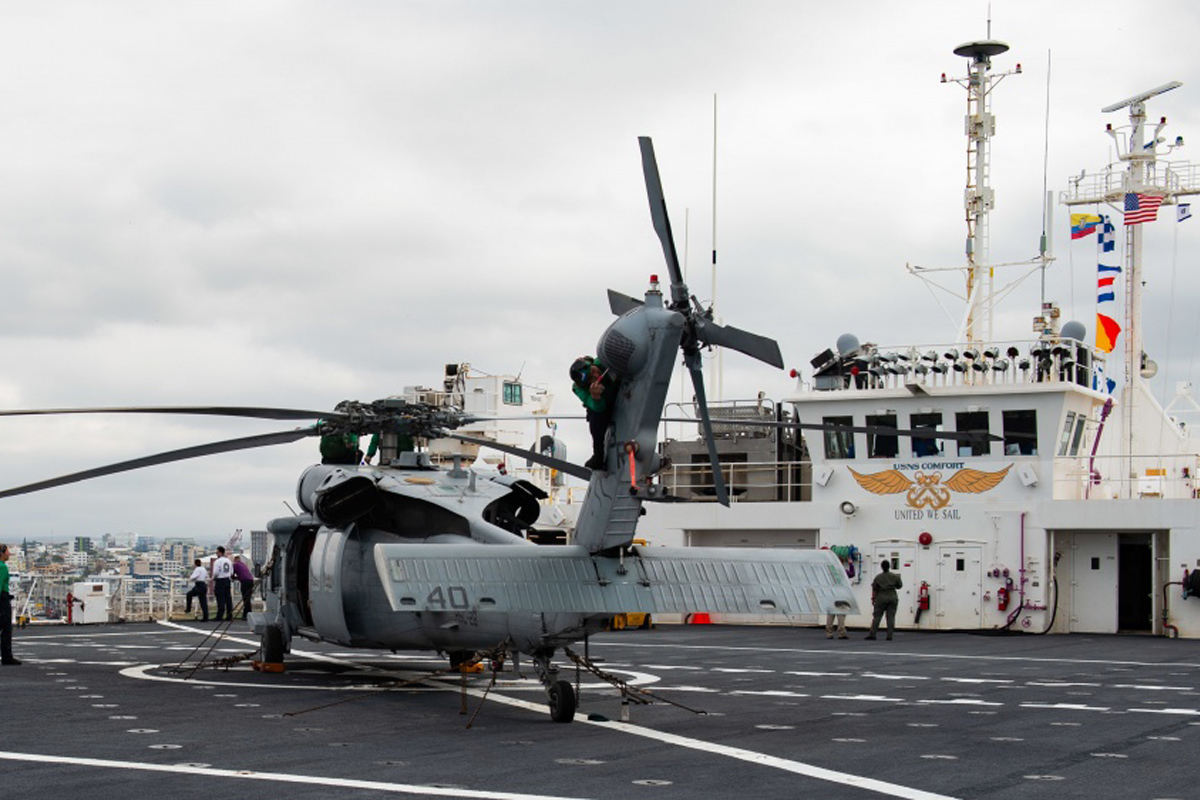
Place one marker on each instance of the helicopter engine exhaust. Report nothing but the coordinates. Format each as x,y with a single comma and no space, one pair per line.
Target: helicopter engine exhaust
335,496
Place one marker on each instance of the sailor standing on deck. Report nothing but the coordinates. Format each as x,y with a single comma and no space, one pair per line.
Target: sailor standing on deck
245,579
6,612
885,599
222,576
199,590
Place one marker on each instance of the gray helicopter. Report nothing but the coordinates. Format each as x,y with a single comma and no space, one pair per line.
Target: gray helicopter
402,555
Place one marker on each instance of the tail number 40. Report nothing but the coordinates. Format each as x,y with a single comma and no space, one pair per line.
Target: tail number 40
450,597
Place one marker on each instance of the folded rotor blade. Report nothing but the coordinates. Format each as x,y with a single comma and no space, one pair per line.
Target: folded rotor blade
692,360
547,461
879,430
229,445
212,411
662,223
753,345
622,303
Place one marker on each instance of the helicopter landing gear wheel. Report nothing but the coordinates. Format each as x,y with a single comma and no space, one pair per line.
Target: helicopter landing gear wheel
562,701
272,645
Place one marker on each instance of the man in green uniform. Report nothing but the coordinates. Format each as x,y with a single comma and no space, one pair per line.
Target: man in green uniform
596,388
6,612
885,599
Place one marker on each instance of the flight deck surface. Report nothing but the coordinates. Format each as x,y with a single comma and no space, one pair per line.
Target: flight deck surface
99,711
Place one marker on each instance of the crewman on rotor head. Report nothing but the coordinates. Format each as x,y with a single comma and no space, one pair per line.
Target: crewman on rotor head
596,387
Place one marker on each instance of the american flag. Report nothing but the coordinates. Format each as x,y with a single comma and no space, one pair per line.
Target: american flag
1141,208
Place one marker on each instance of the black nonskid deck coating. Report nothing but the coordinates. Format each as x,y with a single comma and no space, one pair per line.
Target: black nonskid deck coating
94,712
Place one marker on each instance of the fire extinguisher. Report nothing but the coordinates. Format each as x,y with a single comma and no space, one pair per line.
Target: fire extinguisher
922,600
1002,598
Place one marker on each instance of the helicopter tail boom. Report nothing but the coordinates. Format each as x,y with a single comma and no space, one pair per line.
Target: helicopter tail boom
568,579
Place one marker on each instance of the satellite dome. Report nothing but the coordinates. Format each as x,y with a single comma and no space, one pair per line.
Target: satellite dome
1074,330
847,343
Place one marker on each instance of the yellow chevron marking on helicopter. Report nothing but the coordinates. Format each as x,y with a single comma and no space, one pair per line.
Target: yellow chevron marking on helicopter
928,490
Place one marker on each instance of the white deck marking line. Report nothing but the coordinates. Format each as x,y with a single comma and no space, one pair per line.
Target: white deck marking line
888,653
33,638
311,780
795,767
785,764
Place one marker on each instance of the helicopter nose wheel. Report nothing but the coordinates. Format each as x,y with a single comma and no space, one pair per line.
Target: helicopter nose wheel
562,701
560,693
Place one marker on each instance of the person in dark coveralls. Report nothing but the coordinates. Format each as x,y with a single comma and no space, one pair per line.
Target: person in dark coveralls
245,578
199,590
596,387
885,599
222,576
6,613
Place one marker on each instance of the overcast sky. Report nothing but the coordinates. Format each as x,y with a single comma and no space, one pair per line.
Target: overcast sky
295,203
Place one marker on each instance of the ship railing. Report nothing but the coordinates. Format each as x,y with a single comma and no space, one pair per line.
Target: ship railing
729,418
1111,184
1136,477
1046,360
747,481
130,598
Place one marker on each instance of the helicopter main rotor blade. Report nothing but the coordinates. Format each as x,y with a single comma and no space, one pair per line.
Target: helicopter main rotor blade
226,446
760,347
879,430
692,360
662,223
212,411
547,461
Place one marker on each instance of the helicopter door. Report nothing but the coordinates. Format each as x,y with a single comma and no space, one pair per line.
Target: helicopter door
325,585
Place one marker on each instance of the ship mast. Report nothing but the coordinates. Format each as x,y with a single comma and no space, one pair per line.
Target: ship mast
1142,174
979,198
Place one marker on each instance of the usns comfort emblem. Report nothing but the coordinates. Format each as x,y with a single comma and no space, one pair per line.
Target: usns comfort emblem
926,490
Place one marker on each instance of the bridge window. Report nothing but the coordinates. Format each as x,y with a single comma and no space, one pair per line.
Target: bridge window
882,445
839,443
1077,439
973,422
512,394
1020,433
926,447
1064,442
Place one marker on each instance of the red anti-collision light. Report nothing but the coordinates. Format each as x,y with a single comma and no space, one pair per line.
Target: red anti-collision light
925,539
794,374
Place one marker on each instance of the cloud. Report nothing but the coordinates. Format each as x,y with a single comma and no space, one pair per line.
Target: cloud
290,204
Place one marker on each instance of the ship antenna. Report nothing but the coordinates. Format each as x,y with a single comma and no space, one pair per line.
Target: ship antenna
1045,244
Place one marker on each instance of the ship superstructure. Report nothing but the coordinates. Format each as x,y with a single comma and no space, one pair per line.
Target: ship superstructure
1076,513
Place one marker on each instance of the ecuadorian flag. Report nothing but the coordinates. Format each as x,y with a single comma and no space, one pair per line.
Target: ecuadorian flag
1083,224
1107,331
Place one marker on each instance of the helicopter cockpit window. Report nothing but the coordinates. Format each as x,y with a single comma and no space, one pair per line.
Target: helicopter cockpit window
512,394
